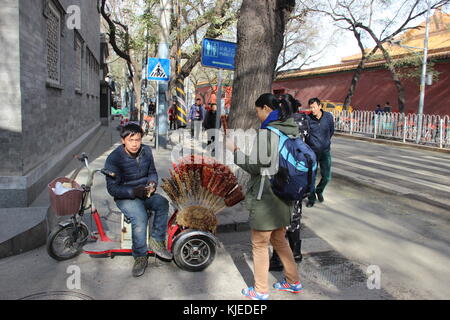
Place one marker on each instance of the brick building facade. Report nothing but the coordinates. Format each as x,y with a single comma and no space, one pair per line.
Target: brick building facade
50,75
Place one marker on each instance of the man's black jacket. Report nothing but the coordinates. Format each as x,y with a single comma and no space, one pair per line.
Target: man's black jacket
130,172
320,132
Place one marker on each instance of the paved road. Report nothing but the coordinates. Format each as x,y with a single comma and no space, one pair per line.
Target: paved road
408,239
405,230
405,171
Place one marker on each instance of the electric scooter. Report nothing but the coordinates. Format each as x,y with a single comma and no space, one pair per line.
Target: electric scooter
193,250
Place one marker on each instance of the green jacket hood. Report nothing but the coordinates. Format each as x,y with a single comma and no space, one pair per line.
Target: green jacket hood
288,127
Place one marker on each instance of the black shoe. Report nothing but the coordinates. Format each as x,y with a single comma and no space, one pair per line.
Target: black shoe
298,257
310,204
275,263
276,267
140,264
320,197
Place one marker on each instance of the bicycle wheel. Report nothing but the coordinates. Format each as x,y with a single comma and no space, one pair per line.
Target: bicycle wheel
67,242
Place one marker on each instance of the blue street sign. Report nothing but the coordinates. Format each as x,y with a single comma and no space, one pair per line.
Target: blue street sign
158,69
218,54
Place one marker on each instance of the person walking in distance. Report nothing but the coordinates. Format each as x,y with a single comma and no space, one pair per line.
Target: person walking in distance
210,122
173,116
387,107
321,129
196,116
378,109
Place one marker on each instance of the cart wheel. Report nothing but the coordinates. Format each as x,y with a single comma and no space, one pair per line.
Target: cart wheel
194,253
67,242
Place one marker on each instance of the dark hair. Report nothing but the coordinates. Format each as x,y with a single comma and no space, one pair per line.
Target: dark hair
130,130
295,104
284,106
312,100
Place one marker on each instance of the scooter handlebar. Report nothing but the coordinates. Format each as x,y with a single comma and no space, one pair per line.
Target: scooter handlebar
81,157
108,173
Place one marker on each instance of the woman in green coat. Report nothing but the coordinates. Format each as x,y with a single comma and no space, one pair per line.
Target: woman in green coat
269,214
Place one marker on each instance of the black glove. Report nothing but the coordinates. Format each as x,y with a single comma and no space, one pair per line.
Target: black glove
139,192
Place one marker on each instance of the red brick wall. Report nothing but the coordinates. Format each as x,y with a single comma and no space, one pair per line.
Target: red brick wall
374,87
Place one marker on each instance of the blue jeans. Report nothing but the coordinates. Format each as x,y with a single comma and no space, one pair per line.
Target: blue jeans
136,211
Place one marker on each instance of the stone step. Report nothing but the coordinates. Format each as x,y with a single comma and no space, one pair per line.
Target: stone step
26,228
22,229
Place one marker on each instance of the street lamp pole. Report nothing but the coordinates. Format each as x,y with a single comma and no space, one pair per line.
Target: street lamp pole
424,74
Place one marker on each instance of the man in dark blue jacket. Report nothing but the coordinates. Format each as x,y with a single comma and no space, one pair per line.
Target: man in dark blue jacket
321,129
196,116
133,189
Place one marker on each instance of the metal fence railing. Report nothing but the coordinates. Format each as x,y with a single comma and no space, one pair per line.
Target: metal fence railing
398,126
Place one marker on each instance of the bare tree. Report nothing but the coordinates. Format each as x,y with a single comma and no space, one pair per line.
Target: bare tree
304,43
130,31
217,19
128,35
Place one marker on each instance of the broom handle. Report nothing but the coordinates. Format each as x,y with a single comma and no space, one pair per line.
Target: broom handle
224,121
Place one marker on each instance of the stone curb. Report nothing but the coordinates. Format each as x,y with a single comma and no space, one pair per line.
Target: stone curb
27,240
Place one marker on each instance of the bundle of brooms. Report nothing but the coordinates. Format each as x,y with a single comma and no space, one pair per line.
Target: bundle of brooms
199,188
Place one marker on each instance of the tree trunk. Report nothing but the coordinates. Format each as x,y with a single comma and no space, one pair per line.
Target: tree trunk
358,71
138,93
260,33
137,84
214,31
395,77
398,84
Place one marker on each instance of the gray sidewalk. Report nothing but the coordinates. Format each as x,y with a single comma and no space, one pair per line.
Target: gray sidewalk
230,219
23,229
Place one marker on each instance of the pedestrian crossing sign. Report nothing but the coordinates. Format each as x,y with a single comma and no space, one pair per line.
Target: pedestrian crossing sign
158,69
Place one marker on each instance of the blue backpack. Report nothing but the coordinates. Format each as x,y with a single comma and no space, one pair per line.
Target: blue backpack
296,174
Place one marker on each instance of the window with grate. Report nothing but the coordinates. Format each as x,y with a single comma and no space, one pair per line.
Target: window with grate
53,44
78,63
88,77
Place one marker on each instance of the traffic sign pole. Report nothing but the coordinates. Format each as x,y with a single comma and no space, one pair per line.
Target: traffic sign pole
163,87
220,55
157,117
219,99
